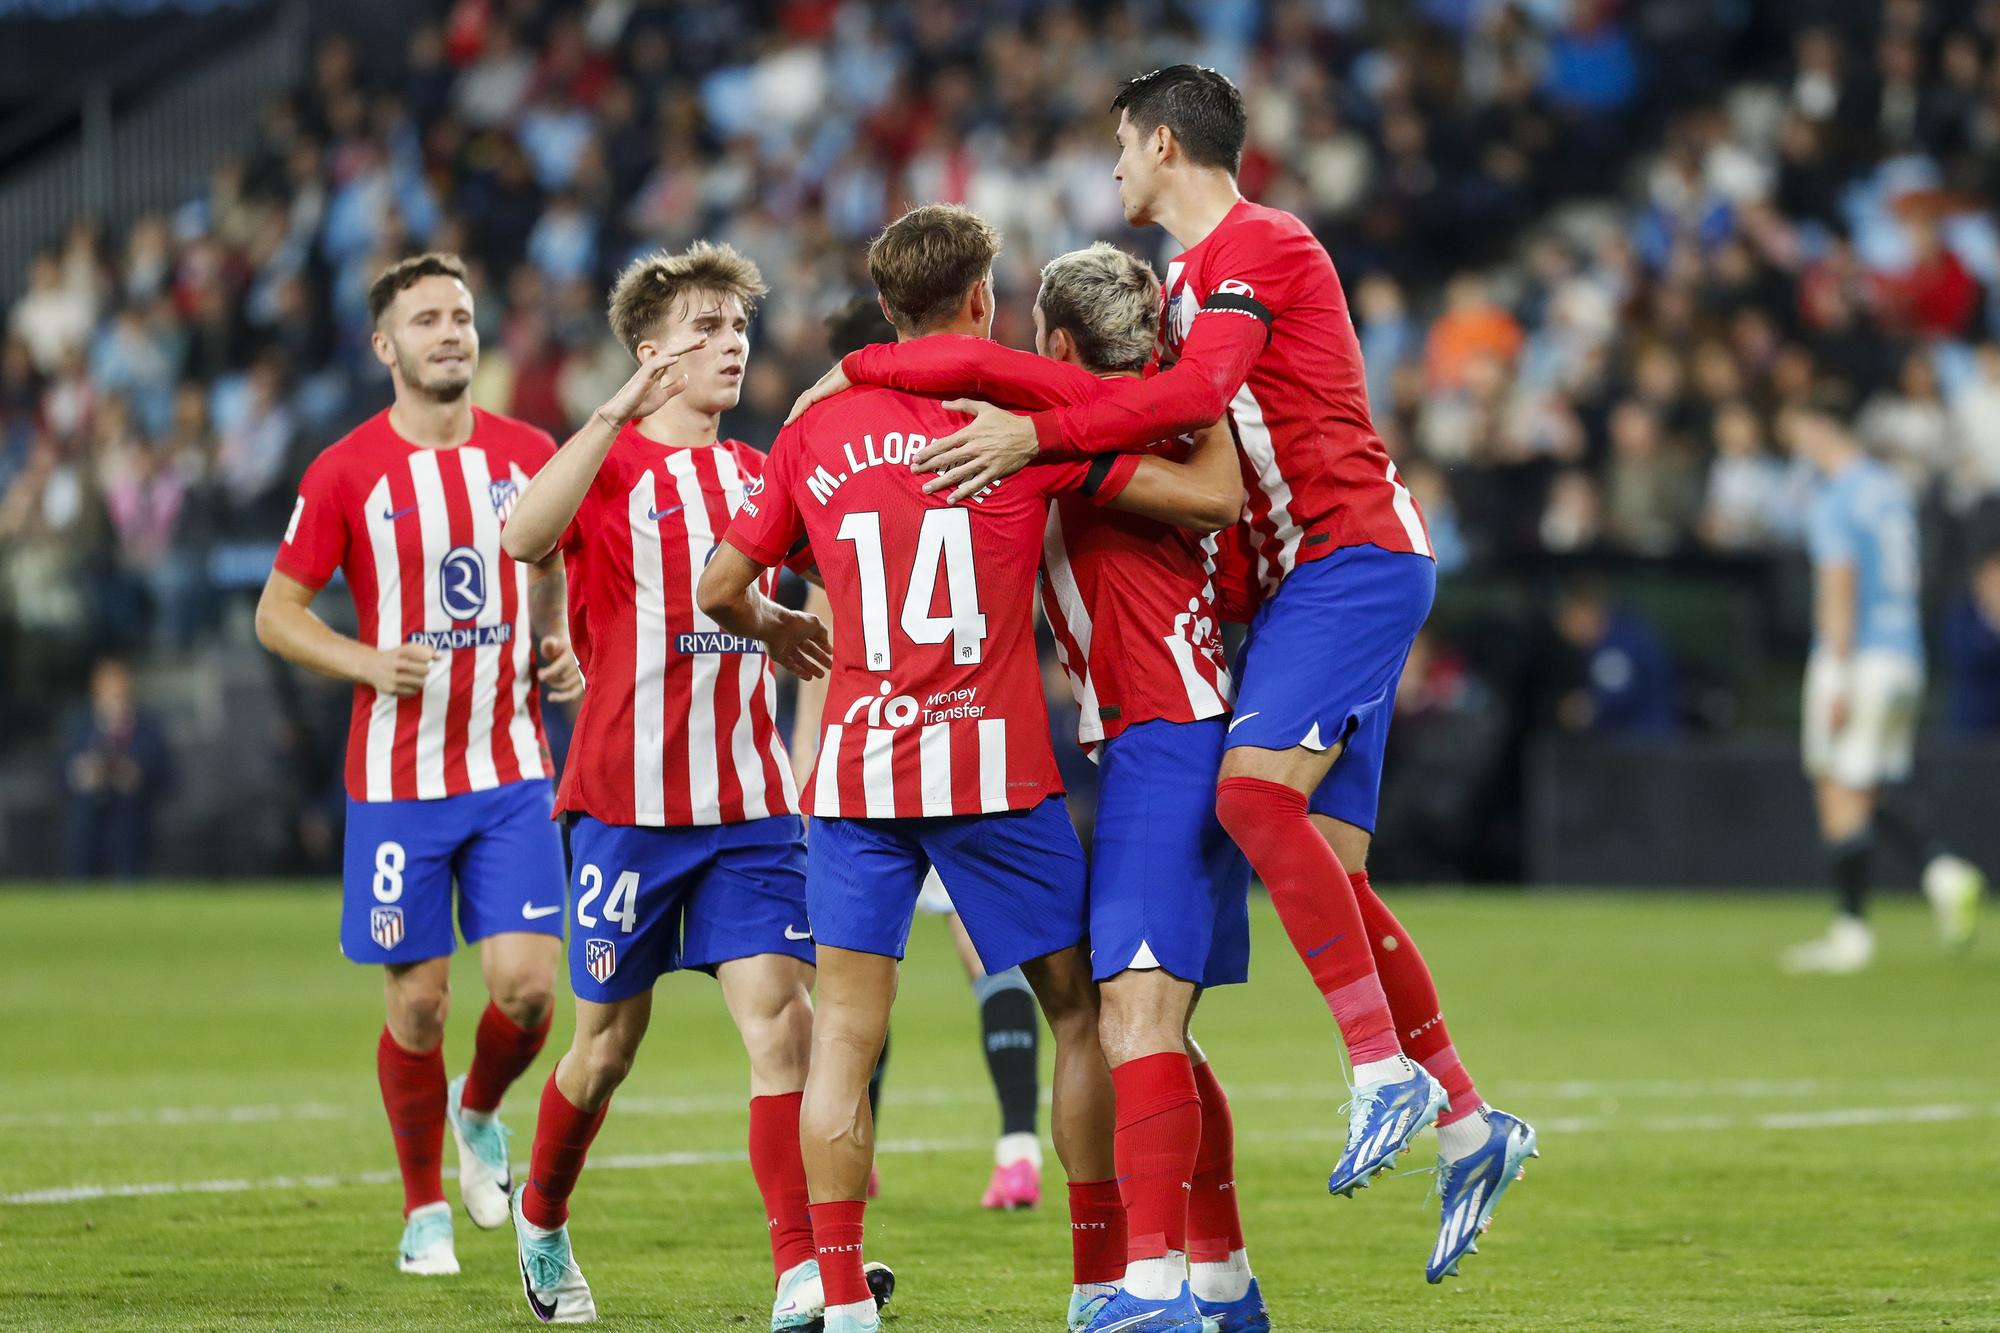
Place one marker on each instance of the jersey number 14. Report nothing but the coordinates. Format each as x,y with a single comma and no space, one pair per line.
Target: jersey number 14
944,541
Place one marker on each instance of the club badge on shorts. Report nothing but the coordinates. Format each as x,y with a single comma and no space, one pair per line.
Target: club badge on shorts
600,959
385,925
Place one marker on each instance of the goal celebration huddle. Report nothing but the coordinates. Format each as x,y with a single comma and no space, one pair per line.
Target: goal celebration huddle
1170,457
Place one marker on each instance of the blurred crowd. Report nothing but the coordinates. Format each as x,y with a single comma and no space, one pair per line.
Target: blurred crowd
1592,248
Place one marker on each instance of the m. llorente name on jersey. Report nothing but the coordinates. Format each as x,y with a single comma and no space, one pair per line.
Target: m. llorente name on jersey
898,448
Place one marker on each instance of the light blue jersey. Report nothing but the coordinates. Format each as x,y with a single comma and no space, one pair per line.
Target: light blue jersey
1864,518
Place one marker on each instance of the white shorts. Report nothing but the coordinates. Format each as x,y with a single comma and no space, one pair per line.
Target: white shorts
932,898
1883,691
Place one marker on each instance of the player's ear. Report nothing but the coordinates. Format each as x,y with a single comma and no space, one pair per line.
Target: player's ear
882,304
1062,347
384,353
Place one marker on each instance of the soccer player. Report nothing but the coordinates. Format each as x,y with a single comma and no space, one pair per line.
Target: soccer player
1009,1027
1864,682
447,770
935,747
1257,322
1136,629
685,839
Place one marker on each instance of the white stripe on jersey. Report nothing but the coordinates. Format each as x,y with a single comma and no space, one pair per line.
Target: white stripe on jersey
649,660
1406,510
479,768
381,762
750,670
434,521
1077,622
1255,439
826,774
992,764
934,768
704,778
527,746
878,772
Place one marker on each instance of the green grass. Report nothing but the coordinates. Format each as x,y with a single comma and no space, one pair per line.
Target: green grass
1650,1038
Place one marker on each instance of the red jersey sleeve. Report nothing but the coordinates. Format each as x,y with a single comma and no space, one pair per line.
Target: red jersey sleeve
949,364
316,540
769,528
1099,480
1252,279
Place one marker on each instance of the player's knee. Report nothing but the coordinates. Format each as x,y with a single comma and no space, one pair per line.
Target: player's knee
606,1061
526,1000
417,1015
780,1043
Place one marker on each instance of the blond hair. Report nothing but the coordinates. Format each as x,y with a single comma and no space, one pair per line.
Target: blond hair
650,289
925,262
1108,300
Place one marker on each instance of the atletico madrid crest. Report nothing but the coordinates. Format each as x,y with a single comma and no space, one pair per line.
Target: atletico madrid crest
600,959
385,924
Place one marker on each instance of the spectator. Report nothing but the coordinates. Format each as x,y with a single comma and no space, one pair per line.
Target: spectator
1472,326
53,317
1626,678
116,770
1746,484
1975,420
1650,493
1908,428
1972,652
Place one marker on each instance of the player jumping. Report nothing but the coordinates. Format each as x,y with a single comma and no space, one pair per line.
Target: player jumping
1256,317
1135,626
1863,685
447,770
685,838
935,748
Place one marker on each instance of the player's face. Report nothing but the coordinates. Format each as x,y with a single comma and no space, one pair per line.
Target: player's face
1137,172
714,373
427,338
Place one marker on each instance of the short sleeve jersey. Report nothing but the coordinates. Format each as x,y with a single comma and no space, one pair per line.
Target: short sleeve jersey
416,531
934,706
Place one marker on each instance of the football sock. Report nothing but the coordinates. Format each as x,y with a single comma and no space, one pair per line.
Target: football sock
563,1133
1413,1001
781,1177
837,1227
1215,1228
1464,1136
1009,1026
1852,861
1900,819
502,1053
1156,1279
1315,903
1158,1131
1222,1283
875,1082
413,1091
1096,1232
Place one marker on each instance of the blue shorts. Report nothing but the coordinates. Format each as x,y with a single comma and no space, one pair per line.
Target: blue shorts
402,856
648,901
1017,880
1168,889
1321,664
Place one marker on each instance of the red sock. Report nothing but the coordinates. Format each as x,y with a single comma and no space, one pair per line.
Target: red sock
413,1094
1215,1230
503,1052
1315,901
1096,1231
781,1178
836,1228
1413,999
1159,1128
563,1134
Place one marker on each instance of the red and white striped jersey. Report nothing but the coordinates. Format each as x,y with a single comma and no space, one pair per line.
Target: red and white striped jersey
678,723
1258,326
417,533
1129,599
934,706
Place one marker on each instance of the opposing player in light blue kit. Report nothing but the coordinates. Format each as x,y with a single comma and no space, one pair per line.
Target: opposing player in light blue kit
1864,684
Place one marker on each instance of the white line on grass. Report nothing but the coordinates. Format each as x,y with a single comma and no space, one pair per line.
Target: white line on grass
1836,1117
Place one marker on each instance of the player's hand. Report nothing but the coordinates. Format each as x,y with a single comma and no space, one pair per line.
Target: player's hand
560,672
833,382
995,444
402,670
651,385
800,644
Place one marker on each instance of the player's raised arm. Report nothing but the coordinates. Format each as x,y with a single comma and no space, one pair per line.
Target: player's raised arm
952,365
551,500
1203,495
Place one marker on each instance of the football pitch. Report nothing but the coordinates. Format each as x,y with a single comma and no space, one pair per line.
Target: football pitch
194,1139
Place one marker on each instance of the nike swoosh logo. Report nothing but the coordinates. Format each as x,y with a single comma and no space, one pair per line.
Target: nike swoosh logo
391,515
545,1312
791,934
533,913
1314,953
657,514
1241,718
